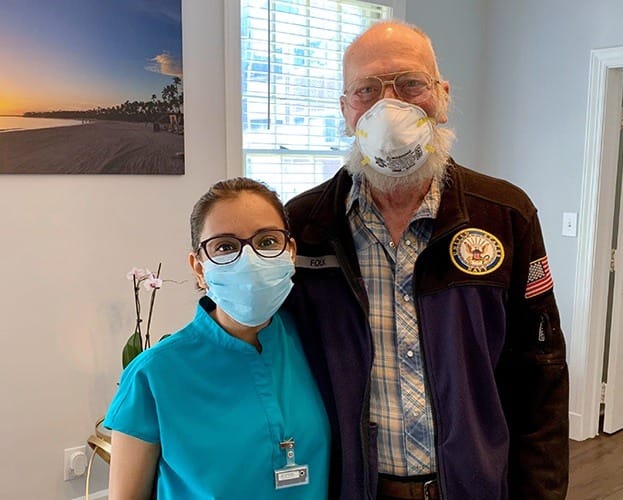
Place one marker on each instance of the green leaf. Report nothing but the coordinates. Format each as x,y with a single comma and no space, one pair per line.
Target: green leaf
133,347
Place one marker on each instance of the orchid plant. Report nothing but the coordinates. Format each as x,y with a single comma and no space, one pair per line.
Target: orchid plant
151,282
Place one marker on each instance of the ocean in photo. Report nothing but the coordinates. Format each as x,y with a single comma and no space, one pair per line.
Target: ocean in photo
15,123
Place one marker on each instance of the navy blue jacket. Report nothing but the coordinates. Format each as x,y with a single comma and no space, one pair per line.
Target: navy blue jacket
494,354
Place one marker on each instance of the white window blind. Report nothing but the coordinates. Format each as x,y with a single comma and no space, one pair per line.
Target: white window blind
291,79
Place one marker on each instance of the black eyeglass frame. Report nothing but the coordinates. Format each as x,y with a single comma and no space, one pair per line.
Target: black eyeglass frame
243,242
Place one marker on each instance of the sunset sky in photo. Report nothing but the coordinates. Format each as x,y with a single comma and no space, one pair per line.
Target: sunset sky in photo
84,54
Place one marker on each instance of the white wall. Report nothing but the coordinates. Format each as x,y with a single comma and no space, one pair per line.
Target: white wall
66,307
535,100
457,30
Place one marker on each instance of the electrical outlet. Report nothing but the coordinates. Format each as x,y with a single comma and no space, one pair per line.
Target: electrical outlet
75,462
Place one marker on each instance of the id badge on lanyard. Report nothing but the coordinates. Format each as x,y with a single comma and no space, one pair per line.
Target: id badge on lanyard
292,474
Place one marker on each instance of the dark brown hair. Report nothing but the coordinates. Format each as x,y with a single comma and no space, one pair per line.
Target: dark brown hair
229,189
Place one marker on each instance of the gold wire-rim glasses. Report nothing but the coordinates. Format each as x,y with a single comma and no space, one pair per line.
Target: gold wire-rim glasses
414,87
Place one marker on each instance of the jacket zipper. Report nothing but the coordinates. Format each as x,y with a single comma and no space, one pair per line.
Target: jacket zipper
429,391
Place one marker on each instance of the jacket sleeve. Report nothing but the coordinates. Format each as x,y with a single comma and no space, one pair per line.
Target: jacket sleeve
534,378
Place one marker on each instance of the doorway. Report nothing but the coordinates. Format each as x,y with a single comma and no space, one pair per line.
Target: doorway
612,373
587,363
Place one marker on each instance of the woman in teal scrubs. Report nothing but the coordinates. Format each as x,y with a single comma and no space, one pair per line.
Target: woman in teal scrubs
226,408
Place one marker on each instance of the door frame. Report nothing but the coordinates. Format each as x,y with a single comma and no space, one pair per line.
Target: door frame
594,241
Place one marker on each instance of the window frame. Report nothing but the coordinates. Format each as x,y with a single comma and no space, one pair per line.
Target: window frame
233,81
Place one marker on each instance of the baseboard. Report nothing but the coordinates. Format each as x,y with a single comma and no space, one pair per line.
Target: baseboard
577,430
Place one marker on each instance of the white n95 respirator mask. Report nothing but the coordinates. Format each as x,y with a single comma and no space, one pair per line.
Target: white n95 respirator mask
394,137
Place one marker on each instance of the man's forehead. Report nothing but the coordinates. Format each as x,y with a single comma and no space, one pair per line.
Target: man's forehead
375,55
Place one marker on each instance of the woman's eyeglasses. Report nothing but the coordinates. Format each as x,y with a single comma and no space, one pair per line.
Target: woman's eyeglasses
225,249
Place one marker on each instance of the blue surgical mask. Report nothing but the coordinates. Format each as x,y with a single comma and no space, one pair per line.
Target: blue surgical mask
252,288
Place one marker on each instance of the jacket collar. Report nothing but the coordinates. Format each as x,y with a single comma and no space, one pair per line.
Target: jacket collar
329,210
452,211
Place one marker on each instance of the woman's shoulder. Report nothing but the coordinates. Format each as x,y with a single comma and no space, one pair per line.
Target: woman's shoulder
169,347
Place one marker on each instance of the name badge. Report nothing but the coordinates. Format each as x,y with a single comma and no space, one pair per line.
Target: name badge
296,475
292,474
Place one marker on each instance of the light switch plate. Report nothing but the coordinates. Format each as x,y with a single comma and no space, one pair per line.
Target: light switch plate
570,224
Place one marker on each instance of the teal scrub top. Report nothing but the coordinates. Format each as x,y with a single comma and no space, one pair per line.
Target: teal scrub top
219,410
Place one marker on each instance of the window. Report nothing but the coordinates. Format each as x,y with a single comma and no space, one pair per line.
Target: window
284,121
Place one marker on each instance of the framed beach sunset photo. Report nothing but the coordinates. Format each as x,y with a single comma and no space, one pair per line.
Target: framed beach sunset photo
91,87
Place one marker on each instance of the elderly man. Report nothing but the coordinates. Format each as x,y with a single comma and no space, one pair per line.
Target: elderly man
425,301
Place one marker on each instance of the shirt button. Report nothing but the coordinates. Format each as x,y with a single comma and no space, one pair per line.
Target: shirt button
391,244
406,298
408,243
410,353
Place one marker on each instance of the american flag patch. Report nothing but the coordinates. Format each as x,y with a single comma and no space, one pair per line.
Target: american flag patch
539,278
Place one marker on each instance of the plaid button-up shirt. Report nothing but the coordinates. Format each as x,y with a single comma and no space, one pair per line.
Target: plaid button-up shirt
399,403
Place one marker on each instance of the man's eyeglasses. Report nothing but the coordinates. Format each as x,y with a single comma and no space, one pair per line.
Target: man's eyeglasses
225,249
413,87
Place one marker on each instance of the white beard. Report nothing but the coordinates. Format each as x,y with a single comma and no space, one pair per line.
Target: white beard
435,165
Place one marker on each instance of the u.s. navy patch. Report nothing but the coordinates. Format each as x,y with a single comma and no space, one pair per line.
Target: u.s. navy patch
475,251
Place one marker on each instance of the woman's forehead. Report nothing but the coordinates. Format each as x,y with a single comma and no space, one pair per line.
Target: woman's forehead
244,212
